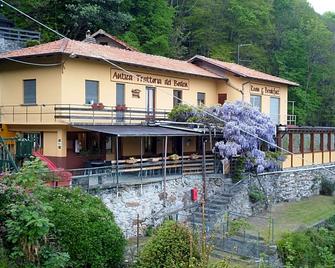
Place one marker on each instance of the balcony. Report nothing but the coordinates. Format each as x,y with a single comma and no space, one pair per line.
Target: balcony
18,35
144,170
78,114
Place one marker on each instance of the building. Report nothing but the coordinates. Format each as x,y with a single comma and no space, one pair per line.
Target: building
12,38
103,38
92,104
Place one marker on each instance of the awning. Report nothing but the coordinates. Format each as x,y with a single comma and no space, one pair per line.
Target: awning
133,131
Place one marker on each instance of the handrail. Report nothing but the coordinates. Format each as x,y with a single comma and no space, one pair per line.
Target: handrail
78,113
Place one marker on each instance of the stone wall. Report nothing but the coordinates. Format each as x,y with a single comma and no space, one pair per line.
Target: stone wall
284,186
148,201
8,45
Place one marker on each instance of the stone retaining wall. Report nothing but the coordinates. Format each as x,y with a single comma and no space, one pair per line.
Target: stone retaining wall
148,201
284,186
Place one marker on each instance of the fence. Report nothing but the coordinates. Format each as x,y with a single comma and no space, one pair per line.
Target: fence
233,235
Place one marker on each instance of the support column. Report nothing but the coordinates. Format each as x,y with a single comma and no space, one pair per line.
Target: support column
117,163
182,156
164,178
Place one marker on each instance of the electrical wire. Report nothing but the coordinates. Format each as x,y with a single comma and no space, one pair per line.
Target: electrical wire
35,20
34,64
171,95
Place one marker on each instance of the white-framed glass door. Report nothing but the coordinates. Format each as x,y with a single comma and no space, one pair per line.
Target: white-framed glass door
150,101
275,110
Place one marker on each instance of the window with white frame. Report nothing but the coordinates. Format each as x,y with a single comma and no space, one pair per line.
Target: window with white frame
256,102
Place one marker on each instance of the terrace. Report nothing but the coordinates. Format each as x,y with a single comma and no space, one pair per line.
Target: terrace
78,114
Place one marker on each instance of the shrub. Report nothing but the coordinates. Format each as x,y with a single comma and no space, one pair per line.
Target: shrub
237,226
327,187
85,228
311,248
256,195
183,113
172,245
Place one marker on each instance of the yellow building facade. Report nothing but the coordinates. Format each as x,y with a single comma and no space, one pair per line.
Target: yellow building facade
76,84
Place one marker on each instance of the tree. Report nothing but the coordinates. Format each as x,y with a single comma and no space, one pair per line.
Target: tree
53,228
152,26
71,18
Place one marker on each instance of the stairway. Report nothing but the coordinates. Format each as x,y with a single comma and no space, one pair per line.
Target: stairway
7,162
242,244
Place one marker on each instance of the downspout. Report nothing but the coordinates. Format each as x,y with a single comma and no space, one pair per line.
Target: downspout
243,85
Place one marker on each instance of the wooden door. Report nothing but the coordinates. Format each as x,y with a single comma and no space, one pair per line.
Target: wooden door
222,97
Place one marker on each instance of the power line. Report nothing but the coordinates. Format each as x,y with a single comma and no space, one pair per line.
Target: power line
38,22
171,95
34,64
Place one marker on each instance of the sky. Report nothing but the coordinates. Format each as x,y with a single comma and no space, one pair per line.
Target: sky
322,6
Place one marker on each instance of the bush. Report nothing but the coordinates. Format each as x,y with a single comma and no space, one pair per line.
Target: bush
85,228
183,113
172,245
256,195
311,248
327,187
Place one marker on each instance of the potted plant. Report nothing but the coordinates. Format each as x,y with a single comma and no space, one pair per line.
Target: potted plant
98,106
120,108
131,160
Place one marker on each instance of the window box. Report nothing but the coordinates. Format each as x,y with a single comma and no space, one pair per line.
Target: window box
120,108
98,106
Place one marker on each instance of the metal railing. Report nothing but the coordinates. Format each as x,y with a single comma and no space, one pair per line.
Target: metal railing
76,113
127,172
18,35
291,119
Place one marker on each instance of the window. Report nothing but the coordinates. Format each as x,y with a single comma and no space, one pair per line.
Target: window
256,102
307,143
177,97
274,109
29,91
296,143
201,98
317,142
325,142
120,101
91,92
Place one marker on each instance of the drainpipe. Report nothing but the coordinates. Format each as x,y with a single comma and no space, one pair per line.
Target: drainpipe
243,85
237,89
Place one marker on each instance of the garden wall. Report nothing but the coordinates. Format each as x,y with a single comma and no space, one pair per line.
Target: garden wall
148,201
283,186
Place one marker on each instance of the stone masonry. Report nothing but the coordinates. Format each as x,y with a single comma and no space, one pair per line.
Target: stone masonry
148,200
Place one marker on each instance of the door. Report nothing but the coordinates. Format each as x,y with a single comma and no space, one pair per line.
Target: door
150,102
120,102
222,98
275,110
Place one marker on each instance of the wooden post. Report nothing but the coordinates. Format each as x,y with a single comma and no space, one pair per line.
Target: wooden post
164,179
203,200
182,156
141,169
117,163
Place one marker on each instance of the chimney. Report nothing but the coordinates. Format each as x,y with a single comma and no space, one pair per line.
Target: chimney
89,38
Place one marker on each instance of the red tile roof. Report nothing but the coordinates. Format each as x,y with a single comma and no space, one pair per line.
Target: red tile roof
67,46
243,71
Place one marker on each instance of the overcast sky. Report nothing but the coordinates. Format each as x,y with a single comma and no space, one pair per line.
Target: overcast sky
322,6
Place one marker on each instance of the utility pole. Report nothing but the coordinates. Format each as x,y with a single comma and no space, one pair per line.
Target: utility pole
238,52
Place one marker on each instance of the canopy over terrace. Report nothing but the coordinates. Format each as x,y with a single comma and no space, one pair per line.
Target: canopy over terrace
145,167
140,131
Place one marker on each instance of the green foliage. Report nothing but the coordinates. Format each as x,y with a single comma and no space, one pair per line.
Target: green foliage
85,228
256,195
327,187
237,225
237,168
172,245
183,113
311,248
54,228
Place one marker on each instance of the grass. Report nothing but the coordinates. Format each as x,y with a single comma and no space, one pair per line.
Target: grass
294,215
